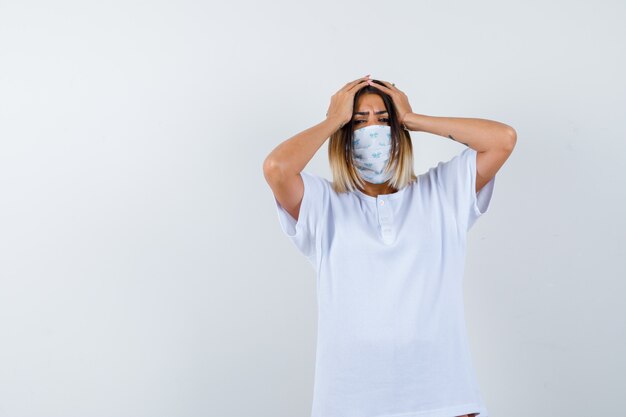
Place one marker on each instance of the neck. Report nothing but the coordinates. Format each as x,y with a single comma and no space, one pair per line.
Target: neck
375,190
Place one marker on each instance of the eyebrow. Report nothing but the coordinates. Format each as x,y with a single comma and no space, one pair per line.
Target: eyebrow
365,113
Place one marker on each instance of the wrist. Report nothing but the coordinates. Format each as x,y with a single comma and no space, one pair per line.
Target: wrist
412,121
334,121
403,121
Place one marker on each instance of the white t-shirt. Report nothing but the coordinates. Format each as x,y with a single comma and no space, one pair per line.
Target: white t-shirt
391,338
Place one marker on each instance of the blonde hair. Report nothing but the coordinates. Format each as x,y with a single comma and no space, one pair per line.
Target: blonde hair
345,176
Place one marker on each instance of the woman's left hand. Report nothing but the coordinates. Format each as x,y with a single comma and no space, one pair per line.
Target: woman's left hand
400,100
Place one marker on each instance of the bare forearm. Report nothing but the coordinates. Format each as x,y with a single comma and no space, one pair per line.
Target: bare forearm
292,155
478,134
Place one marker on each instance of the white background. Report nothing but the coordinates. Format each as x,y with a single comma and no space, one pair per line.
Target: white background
143,271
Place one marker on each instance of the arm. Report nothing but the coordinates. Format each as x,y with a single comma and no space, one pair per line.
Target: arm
283,165
479,134
291,156
493,141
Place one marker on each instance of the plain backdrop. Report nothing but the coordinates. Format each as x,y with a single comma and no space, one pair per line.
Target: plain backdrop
143,271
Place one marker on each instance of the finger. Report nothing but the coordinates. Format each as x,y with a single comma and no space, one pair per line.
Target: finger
357,87
353,83
380,87
389,85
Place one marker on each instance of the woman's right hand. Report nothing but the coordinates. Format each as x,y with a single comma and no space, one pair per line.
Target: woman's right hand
341,103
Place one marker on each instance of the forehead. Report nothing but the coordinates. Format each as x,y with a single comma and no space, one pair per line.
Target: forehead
370,102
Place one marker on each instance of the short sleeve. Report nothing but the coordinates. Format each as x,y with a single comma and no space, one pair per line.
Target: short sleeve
456,180
304,232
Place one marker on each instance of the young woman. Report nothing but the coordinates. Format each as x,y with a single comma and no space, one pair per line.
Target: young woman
388,248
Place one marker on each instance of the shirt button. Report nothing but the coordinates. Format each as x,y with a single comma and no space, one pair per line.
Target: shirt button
382,203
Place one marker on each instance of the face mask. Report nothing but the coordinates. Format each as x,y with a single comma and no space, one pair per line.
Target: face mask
371,146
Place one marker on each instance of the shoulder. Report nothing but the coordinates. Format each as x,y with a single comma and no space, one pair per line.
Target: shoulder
319,184
454,168
316,183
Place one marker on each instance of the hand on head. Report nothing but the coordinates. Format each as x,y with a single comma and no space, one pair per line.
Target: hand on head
341,103
400,100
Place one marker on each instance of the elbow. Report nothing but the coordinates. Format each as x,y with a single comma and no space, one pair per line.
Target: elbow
271,168
511,139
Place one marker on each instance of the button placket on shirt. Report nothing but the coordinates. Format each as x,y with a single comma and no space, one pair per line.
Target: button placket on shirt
385,218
